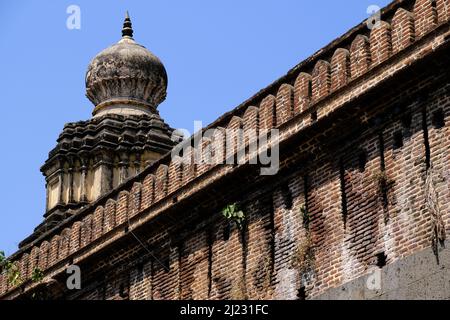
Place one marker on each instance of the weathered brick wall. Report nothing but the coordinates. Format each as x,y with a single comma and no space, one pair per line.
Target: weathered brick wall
362,126
415,277
220,262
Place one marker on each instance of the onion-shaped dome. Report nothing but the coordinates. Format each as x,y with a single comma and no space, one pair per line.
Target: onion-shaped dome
126,78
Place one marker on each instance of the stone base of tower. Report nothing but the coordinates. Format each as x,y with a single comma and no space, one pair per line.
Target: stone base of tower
421,276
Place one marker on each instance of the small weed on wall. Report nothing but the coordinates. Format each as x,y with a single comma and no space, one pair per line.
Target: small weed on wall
303,258
233,213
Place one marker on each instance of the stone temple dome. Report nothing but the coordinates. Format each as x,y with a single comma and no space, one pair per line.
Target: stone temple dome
126,78
126,83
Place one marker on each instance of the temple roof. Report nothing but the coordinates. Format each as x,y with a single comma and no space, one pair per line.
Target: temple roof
112,132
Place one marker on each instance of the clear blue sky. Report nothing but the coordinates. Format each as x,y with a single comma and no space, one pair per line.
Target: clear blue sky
217,54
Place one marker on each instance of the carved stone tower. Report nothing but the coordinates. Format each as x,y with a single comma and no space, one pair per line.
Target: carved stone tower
126,83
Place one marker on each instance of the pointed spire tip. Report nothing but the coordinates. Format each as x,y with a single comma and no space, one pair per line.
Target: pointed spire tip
127,30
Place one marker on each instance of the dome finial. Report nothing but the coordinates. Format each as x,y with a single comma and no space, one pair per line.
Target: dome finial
127,30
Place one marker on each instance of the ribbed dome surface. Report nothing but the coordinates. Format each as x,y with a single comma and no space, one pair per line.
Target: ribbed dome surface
126,73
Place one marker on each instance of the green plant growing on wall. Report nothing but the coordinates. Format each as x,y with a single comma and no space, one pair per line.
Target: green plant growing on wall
305,217
382,180
37,275
303,257
238,290
12,271
437,223
267,278
383,183
233,213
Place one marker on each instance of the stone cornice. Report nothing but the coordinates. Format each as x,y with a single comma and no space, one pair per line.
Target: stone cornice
111,132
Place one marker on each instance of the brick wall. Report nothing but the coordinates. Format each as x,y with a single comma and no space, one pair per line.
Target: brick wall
363,124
